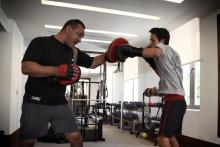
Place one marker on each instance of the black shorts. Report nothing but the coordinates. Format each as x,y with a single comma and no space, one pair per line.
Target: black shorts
172,118
35,119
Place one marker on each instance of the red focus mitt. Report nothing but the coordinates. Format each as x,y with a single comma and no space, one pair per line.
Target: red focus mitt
110,54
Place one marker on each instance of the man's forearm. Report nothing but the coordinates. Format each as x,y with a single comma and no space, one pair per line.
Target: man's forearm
98,60
36,70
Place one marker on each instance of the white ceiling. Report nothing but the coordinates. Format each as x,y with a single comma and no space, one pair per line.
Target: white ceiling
31,16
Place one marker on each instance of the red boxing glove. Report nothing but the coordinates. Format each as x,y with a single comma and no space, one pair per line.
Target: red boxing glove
66,71
74,77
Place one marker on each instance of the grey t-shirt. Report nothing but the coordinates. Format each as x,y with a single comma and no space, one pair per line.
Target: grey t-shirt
170,71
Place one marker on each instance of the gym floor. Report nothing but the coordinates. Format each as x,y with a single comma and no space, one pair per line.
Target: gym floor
113,138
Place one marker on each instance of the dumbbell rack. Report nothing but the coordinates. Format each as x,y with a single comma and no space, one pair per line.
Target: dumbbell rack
151,133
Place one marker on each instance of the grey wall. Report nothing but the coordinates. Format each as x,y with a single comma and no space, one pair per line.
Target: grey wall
209,76
11,48
5,80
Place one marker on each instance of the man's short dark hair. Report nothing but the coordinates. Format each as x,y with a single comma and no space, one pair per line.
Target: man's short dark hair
161,33
73,23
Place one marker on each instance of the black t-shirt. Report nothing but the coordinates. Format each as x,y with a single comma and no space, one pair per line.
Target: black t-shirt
49,51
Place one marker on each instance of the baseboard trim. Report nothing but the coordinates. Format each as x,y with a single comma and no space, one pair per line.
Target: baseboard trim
186,141
10,140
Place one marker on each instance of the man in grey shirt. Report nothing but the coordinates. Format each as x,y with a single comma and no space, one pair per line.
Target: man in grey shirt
167,64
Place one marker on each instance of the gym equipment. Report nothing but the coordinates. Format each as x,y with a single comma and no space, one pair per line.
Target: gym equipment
144,135
127,118
125,51
150,92
75,77
65,70
66,75
158,104
151,124
51,137
90,125
90,122
111,52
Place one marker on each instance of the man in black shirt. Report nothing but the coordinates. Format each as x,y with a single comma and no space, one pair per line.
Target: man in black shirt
44,101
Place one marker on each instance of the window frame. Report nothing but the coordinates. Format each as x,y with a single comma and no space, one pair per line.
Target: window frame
192,86
133,88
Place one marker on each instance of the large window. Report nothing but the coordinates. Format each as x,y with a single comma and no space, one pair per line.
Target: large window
191,84
131,90
186,82
197,84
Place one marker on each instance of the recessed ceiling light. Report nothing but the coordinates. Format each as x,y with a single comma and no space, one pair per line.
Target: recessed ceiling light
98,9
53,27
95,31
86,40
98,41
111,33
175,1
